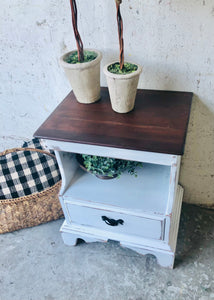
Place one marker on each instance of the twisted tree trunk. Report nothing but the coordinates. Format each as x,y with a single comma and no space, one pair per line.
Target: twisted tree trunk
76,32
120,32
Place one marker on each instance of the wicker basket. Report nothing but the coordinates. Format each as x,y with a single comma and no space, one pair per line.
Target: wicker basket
30,210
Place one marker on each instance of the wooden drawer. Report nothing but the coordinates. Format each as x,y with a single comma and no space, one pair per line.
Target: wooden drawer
128,224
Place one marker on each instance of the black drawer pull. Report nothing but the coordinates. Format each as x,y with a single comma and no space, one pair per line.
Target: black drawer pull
112,222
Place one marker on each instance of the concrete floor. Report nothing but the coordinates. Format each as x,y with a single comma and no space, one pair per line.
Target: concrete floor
36,265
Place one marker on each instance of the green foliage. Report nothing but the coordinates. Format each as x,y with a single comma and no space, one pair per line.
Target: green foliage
127,68
98,165
88,56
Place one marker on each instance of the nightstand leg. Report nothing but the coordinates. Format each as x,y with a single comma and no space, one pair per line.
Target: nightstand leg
70,237
164,258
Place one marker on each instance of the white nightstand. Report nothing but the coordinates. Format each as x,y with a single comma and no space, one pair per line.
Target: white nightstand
141,213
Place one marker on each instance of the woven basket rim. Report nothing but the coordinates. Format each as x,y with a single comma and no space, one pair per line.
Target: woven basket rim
26,149
36,194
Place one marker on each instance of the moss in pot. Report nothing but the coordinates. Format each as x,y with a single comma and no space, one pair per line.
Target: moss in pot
128,68
72,58
106,167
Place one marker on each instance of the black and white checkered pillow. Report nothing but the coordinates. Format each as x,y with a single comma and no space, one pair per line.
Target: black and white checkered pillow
35,143
38,144
26,172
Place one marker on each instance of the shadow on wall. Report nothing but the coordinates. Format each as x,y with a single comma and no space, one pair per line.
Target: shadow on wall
197,168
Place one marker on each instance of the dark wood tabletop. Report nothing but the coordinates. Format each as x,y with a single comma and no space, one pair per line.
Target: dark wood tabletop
158,122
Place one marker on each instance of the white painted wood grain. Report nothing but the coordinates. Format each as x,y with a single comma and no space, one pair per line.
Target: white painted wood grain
147,157
68,166
146,193
149,205
105,235
174,176
174,220
164,256
133,225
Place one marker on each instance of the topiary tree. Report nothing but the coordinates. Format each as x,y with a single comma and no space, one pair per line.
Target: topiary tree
122,77
85,85
76,32
120,33
121,67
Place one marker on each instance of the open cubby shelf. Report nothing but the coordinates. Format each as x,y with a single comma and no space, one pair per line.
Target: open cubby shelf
142,193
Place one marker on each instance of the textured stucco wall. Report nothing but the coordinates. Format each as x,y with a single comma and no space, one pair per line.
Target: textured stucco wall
171,39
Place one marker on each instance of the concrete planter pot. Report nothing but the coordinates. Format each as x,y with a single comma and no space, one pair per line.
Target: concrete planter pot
122,89
84,77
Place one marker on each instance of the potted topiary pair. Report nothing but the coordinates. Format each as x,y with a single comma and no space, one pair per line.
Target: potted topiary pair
82,68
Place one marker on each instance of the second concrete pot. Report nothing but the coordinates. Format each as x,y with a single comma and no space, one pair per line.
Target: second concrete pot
122,89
